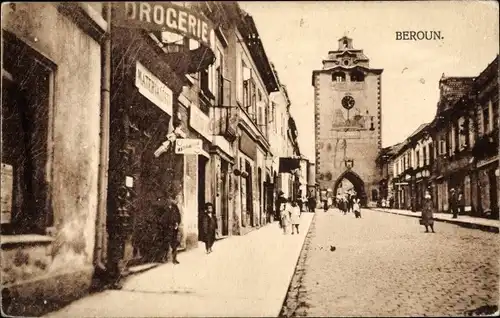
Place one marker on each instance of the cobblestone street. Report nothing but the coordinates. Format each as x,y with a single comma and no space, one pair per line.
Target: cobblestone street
386,265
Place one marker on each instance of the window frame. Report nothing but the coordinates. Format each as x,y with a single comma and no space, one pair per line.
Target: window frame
49,68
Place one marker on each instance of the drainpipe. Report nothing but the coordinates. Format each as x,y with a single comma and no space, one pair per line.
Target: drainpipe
101,239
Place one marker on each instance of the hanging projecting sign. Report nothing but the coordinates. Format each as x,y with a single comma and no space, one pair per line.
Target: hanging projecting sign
188,146
153,89
170,17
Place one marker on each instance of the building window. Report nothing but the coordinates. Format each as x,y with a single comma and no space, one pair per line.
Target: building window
253,100
424,154
463,133
219,77
357,76
205,81
494,110
417,156
486,120
431,154
338,77
471,136
273,117
26,110
442,147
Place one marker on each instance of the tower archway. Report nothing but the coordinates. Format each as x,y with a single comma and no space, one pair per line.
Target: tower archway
357,183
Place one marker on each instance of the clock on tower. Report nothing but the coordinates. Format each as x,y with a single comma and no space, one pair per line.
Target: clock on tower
348,102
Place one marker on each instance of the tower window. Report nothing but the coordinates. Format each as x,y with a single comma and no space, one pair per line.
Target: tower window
346,62
357,76
338,77
346,44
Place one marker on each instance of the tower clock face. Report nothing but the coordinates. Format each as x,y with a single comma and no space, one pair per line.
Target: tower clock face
348,102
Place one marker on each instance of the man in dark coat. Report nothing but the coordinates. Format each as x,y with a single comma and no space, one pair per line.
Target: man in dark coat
208,227
170,221
453,203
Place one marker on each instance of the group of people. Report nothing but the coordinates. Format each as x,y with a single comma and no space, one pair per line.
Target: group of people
346,204
168,218
307,204
289,214
349,204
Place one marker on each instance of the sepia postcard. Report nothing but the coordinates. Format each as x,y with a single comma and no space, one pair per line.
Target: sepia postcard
250,159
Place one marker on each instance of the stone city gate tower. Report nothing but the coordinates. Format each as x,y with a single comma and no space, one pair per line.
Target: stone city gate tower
347,99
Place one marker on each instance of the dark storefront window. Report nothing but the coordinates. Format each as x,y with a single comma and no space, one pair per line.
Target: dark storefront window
26,91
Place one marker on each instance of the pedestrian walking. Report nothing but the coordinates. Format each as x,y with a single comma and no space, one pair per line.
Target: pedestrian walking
170,219
461,203
427,219
453,202
343,205
310,205
349,203
329,202
304,205
356,207
285,215
208,227
280,205
325,205
295,217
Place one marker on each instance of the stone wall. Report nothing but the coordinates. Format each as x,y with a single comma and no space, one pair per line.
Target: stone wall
75,120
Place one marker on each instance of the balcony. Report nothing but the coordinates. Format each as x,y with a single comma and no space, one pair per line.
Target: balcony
225,122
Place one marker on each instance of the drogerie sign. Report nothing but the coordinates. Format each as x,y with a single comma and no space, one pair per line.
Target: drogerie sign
164,16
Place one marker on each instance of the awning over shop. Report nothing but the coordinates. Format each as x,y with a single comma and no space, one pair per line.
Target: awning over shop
288,164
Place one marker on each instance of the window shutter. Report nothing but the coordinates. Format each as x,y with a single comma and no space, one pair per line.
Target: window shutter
239,78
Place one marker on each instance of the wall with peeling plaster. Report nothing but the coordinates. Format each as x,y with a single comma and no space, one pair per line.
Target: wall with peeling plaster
76,117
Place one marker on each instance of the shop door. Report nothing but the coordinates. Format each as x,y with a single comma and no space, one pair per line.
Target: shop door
493,193
202,163
225,199
269,188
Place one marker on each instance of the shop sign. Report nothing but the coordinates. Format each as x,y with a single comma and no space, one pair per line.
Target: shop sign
153,89
164,16
200,122
7,186
188,146
248,146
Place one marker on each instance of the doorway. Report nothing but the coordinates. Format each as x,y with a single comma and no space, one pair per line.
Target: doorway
493,193
261,203
225,198
202,167
249,195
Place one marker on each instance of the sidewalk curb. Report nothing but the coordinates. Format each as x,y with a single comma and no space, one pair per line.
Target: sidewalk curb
482,227
151,266
283,302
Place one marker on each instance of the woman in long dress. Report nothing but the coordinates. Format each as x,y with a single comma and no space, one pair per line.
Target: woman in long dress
295,217
356,207
285,215
427,213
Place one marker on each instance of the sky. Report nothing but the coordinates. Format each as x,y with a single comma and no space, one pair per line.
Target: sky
297,36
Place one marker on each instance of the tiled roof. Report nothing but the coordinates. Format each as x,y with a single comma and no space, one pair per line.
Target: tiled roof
419,129
490,71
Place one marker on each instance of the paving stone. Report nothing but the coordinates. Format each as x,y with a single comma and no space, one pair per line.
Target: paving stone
385,265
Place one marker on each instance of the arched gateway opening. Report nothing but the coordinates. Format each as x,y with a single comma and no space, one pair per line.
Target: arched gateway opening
350,180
